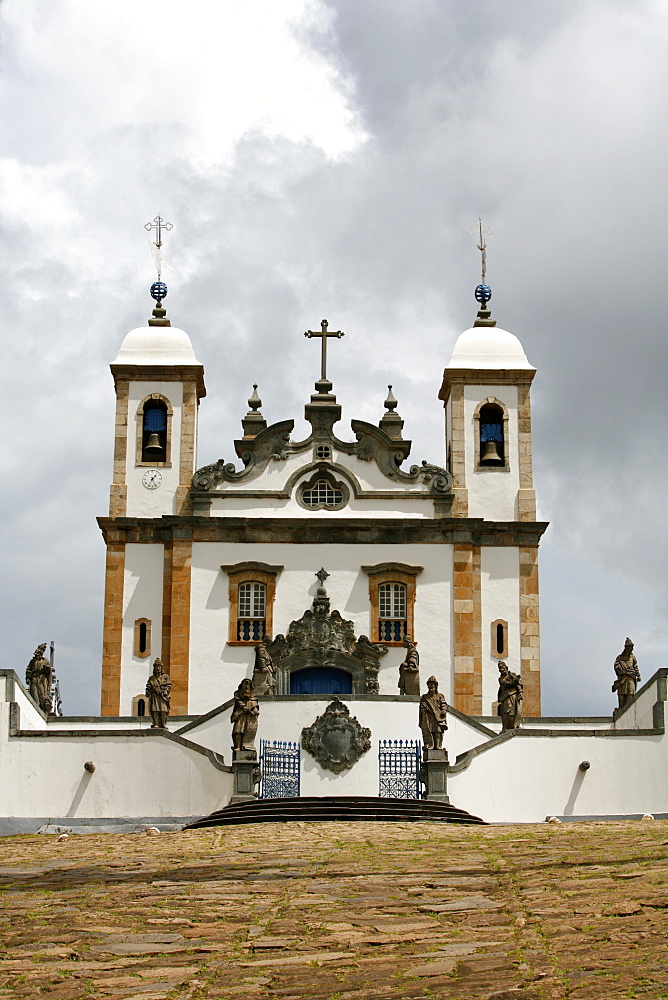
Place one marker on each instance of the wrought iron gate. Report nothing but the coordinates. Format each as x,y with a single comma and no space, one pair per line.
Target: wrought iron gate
279,762
399,769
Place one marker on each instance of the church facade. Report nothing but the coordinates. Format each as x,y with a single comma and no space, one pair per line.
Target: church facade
204,561
344,581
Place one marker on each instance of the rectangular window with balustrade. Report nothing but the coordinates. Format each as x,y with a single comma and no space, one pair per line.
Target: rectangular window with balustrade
252,590
392,589
252,605
392,623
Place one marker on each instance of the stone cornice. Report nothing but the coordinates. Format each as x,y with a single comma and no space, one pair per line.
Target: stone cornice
321,530
160,373
484,376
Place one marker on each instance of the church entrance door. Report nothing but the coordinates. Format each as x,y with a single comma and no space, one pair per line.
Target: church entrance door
321,680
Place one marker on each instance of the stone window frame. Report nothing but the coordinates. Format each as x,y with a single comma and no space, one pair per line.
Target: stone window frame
482,467
251,571
135,706
137,641
392,572
167,464
493,639
336,484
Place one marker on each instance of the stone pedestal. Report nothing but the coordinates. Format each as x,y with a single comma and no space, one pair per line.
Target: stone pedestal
246,775
434,775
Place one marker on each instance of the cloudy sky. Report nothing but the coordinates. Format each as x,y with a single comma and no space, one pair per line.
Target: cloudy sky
328,158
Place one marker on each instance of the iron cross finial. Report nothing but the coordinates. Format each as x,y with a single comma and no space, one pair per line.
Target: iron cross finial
481,231
322,575
158,224
156,245
324,333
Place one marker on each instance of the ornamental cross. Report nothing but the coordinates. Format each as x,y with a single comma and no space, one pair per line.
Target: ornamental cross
482,231
156,245
158,224
324,334
322,575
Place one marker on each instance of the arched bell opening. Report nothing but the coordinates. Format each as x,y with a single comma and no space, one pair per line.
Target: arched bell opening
154,431
321,680
492,435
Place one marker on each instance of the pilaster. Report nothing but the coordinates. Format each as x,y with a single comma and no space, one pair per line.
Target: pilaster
526,495
467,629
118,499
530,629
457,451
113,629
188,446
176,620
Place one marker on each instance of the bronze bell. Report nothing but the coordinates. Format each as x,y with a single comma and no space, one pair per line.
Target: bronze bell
153,443
491,453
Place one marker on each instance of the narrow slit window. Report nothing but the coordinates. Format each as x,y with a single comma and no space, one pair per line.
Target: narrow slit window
499,639
142,643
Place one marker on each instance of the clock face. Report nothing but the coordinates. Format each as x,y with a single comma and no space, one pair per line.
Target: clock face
151,479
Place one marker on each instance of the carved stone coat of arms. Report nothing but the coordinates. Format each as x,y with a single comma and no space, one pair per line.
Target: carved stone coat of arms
336,739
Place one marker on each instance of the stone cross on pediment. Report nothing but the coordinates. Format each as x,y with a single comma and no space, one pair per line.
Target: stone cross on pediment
324,385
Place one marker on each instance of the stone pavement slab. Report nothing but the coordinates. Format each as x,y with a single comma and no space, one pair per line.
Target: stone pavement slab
339,912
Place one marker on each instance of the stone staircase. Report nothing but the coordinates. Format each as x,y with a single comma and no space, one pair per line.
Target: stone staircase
365,809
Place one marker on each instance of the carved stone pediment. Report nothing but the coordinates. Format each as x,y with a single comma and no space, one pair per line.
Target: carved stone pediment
273,443
336,739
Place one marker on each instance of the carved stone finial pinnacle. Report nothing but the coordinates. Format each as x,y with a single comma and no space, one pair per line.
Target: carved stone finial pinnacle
391,402
254,400
253,422
391,422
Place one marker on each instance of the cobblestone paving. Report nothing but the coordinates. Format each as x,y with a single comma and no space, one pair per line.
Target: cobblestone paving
339,911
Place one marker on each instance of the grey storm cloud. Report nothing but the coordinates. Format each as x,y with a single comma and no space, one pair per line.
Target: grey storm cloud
328,160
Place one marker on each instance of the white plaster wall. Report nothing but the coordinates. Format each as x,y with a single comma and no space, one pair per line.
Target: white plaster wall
500,575
29,717
492,492
143,502
410,500
142,598
526,779
403,506
284,719
133,777
640,715
216,667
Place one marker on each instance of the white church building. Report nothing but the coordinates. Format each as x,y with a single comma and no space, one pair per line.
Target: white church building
203,561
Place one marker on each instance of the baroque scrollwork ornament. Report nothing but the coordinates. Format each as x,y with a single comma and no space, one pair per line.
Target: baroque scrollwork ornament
336,739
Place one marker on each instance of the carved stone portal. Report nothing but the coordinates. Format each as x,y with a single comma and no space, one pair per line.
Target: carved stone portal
336,739
323,638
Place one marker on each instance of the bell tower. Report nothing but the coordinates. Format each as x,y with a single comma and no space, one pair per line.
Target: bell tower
159,383
486,394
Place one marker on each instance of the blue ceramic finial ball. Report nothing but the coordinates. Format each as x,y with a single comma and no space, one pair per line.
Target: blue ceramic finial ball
158,290
483,293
